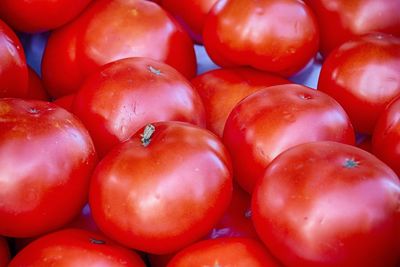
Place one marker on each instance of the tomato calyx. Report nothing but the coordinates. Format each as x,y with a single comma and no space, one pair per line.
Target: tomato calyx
96,241
147,133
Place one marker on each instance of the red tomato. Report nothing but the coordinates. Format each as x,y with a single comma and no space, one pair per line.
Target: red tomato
238,252
279,36
191,14
46,159
363,75
329,204
163,189
13,68
110,30
273,119
4,252
65,102
222,89
386,137
342,20
35,87
123,96
39,15
75,247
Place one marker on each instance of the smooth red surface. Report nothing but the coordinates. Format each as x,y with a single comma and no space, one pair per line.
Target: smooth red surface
329,204
126,29
4,252
35,87
46,159
276,118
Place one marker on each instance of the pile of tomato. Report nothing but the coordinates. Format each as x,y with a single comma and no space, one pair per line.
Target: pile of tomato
178,133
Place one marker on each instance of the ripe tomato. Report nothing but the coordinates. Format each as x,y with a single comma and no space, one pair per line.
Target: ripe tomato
75,247
110,30
13,68
124,95
163,189
65,102
386,136
46,159
35,87
4,252
329,204
222,89
275,118
39,15
279,36
363,75
238,252
191,14
342,20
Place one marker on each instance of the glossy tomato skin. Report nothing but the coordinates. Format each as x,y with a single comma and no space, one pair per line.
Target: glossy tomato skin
386,136
363,75
66,102
239,252
130,28
4,252
222,89
123,96
35,87
329,204
75,247
13,68
38,15
191,14
342,20
46,159
279,36
273,119
161,197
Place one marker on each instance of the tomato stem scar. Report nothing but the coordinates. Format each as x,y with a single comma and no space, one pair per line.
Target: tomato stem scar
350,163
96,241
147,133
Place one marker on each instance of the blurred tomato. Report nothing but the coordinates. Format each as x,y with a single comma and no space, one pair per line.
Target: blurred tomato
13,68
363,75
75,247
162,189
35,87
222,89
46,159
123,96
110,30
4,252
279,36
273,119
329,204
39,15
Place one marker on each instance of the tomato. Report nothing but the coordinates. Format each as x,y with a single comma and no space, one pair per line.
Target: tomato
279,36
4,252
110,30
39,15
123,96
46,159
75,247
191,14
35,87
329,204
342,20
222,89
239,252
162,189
13,68
386,136
275,118
65,102
363,75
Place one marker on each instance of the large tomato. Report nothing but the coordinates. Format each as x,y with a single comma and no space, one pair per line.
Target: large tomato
279,36
275,118
75,247
162,189
124,95
363,75
39,15
13,68
222,89
329,204
4,252
46,159
238,252
386,136
109,30
342,20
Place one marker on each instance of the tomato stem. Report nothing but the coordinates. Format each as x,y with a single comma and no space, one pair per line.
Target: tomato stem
147,133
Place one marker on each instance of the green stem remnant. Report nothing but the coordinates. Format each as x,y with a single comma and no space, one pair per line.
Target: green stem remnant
147,133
